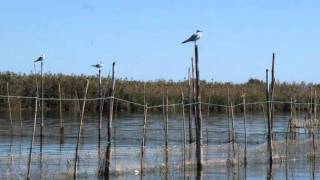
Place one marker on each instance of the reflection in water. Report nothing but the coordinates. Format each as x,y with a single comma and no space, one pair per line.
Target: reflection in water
54,153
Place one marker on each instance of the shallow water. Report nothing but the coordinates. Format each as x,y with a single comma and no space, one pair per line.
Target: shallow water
54,158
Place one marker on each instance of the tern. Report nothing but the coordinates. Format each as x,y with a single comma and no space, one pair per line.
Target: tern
194,37
99,65
41,58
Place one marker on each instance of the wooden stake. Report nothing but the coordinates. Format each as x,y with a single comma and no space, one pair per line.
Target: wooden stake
9,109
233,139
79,133
110,116
193,83
100,105
269,136
32,139
42,108
60,115
271,90
144,133
166,120
184,134
245,130
20,115
208,117
190,106
198,114
166,151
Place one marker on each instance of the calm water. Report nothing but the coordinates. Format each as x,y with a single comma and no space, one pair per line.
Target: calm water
54,160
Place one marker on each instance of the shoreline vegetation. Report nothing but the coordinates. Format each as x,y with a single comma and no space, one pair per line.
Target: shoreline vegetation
73,86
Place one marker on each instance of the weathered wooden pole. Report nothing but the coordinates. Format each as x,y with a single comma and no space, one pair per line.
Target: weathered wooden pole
184,134
190,106
271,91
60,115
100,106
20,115
9,109
315,106
198,113
208,117
109,126
233,140
42,105
166,128
269,136
245,132
228,111
32,139
166,120
144,134
79,133
193,83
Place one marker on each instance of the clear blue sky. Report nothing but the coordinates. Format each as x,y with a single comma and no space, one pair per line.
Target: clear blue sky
144,37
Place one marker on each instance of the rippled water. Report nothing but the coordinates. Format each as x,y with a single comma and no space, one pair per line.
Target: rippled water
54,159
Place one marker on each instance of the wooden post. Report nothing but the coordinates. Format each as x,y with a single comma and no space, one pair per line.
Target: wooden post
20,115
193,83
166,127
42,106
9,109
190,106
100,106
32,139
228,111
233,138
269,136
245,131
166,120
315,106
60,115
144,133
208,117
110,116
184,134
198,114
271,91
79,133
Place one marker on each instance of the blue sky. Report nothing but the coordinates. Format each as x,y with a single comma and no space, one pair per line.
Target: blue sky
144,37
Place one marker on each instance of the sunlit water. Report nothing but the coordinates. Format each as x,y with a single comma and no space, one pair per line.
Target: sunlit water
55,159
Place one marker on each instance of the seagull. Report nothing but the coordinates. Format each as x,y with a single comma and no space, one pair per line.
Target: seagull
41,58
99,65
194,37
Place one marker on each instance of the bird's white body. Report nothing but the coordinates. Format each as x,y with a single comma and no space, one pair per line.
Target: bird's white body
194,37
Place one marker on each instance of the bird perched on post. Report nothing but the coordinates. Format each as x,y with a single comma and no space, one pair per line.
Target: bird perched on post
41,58
194,37
99,65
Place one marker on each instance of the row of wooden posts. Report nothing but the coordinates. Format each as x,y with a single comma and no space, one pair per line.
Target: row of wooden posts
106,170
194,112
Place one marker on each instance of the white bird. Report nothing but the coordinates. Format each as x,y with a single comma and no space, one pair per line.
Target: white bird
194,37
136,172
99,65
41,58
